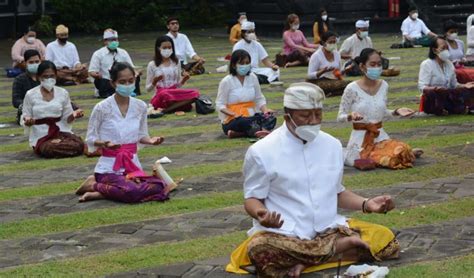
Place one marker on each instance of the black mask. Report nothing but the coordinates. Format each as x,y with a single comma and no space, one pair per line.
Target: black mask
62,40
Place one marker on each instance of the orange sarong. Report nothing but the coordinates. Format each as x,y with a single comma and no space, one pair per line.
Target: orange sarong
241,109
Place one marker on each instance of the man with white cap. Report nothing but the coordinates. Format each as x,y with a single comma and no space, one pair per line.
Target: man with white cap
65,57
102,61
414,29
185,53
353,45
258,54
292,189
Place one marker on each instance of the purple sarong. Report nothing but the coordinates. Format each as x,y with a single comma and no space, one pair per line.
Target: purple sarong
118,188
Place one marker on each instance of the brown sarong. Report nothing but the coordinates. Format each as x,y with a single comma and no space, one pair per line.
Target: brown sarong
389,153
57,144
331,87
77,76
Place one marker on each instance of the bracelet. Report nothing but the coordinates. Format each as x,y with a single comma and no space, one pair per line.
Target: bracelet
364,206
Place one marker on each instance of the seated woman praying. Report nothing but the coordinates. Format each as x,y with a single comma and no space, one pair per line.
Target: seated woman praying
117,125
442,94
48,115
457,52
364,103
324,68
165,78
295,46
240,102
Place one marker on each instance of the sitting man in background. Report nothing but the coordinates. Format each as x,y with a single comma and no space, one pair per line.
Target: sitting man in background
353,46
25,81
294,201
184,49
414,30
65,57
102,61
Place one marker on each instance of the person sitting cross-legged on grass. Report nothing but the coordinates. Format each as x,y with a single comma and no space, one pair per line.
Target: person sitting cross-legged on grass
364,103
292,190
164,77
240,102
117,125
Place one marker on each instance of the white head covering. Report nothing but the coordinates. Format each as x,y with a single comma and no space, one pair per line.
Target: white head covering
303,95
362,24
248,25
110,34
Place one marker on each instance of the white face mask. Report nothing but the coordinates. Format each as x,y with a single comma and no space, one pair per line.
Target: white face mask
444,55
364,34
251,36
30,40
306,132
48,83
295,27
452,36
414,16
331,47
242,21
166,53
324,17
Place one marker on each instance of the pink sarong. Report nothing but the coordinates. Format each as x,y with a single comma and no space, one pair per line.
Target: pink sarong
165,97
123,158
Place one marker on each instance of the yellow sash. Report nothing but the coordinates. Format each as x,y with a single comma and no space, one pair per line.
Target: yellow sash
377,236
241,109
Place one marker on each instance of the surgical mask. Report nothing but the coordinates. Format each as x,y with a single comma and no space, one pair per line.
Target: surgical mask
32,68
242,21
374,73
324,17
251,36
306,132
243,69
125,90
48,83
414,16
113,45
331,47
452,36
295,27
30,40
444,55
364,34
63,40
166,53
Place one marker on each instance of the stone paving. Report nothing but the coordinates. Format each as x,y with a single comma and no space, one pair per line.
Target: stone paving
181,227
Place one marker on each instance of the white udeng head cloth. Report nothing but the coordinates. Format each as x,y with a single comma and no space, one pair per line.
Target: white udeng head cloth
248,25
362,24
110,34
303,95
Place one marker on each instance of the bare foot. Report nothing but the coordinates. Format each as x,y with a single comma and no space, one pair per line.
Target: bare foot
346,243
261,133
86,186
296,271
90,196
234,134
418,152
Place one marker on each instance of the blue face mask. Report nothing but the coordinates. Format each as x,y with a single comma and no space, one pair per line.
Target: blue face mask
374,73
243,69
113,45
125,90
32,68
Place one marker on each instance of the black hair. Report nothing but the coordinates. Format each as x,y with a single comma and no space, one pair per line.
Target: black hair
45,65
29,29
289,20
118,67
365,55
327,35
171,18
412,8
321,22
450,24
30,53
434,45
158,59
236,57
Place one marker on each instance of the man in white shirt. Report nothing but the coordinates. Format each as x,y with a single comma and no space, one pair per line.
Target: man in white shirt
102,61
258,54
292,189
65,57
188,58
353,46
414,30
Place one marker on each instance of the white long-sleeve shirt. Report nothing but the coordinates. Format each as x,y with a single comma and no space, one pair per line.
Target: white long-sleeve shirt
353,45
103,59
171,75
232,91
107,124
432,75
319,61
62,55
470,35
299,181
183,47
414,28
36,107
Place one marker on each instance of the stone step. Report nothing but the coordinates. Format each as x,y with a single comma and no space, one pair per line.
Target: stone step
423,243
